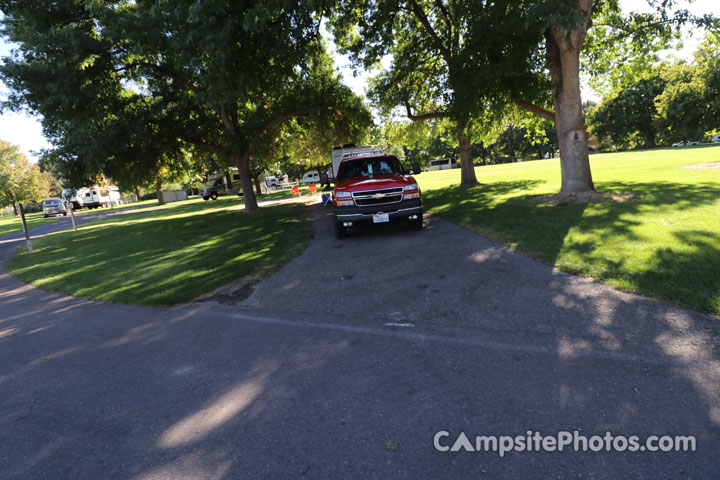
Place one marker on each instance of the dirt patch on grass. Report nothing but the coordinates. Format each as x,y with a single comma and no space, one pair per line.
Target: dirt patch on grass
703,166
591,197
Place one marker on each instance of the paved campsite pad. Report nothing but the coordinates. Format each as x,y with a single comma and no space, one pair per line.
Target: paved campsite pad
303,380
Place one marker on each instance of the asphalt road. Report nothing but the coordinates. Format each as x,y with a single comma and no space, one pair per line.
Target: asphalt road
347,362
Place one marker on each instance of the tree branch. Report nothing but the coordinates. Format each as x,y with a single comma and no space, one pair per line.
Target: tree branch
279,119
425,116
220,109
539,111
448,19
420,13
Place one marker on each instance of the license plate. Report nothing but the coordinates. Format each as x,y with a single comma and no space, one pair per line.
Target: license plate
381,218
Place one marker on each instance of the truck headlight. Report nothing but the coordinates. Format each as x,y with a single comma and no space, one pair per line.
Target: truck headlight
344,199
411,191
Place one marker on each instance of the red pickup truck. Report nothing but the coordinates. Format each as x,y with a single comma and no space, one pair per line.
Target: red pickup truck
373,187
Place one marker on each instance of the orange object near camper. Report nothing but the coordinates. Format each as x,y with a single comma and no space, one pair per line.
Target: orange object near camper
312,188
296,190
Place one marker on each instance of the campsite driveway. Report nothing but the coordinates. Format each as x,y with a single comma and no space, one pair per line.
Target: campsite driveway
347,362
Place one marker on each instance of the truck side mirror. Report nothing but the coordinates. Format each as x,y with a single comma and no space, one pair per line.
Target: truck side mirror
415,168
324,180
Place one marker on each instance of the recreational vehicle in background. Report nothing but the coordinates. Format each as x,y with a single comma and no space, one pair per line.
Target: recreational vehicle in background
222,183
94,197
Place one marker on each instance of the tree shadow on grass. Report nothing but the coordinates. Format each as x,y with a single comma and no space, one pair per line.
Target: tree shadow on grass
160,260
505,211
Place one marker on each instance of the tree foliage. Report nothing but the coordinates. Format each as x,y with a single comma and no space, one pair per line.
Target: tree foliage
20,180
449,60
628,117
126,88
679,102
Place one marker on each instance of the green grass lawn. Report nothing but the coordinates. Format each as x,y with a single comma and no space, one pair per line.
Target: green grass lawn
11,223
166,256
665,243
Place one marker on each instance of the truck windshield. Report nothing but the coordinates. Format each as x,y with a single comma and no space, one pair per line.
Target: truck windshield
366,167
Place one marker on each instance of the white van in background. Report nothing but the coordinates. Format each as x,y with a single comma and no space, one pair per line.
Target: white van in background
715,139
441,164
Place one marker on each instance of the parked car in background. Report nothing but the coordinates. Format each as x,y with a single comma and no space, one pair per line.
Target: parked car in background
693,143
715,139
54,206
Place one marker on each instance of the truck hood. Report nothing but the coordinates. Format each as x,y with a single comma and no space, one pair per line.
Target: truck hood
375,182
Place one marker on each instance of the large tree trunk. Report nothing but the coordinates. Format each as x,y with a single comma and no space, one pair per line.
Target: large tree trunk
158,190
243,165
256,180
137,194
563,60
467,169
15,208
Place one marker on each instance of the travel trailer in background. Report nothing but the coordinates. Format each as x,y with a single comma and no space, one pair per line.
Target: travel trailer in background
94,197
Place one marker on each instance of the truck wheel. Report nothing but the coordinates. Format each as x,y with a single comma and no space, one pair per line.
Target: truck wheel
214,195
340,231
206,198
417,224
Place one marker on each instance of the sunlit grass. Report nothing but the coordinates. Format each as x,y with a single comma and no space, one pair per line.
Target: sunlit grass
166,256
664,243
12,223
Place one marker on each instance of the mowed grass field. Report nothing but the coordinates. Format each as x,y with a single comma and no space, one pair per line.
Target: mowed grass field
12,223
166,256
664,243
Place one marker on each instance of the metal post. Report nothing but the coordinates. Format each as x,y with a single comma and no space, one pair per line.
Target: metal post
72,215
25,228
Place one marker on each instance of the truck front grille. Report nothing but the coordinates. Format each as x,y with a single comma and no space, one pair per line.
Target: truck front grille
378,197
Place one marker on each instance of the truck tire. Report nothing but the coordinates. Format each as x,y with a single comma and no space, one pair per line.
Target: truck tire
340,231
417,224
214,195
206,198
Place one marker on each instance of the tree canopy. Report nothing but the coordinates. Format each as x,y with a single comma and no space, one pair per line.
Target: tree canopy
20,180
126,87
449,60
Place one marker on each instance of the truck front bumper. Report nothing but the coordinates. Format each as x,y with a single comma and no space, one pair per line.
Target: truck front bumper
396,211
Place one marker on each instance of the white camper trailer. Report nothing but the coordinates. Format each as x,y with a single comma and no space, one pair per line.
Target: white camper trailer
94,197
